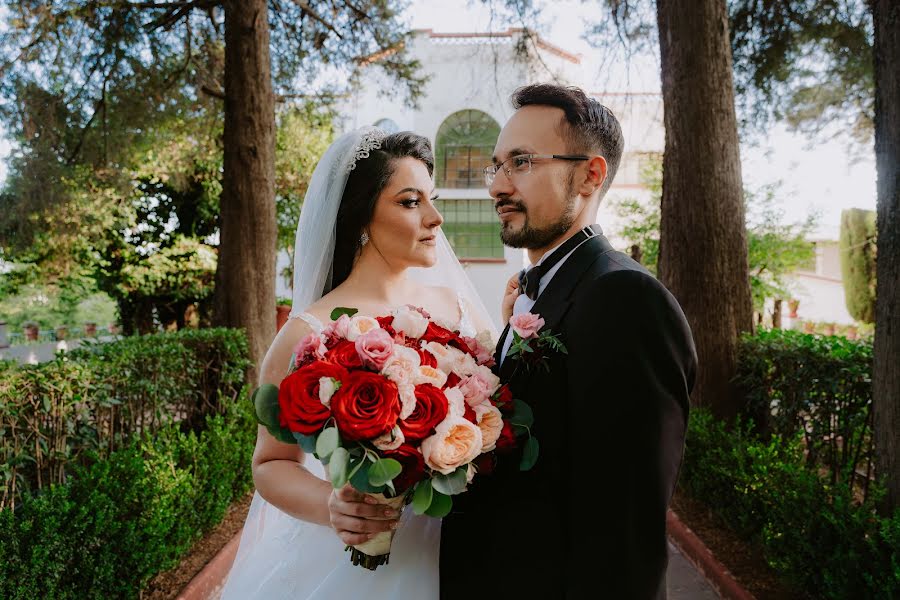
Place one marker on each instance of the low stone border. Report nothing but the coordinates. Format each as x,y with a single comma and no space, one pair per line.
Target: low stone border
698,554
209,581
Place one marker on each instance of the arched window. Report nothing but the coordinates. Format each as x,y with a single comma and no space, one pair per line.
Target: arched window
387,125
463,148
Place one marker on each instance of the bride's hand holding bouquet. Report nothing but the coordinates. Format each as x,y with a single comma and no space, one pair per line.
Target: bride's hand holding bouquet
400,406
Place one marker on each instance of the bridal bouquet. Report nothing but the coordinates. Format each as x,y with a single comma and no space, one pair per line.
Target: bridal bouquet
398,405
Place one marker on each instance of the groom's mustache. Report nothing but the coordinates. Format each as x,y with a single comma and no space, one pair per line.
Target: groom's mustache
509,204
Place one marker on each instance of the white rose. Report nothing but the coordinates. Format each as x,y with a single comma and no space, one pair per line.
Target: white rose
447,356
465,364
490,422
409,322
486,375
327,388
360,324
455,442
486,339
402,366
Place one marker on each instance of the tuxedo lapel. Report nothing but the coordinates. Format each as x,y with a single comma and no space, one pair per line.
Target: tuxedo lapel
553,303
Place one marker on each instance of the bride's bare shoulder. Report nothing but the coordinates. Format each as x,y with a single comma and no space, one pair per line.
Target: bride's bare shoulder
278,356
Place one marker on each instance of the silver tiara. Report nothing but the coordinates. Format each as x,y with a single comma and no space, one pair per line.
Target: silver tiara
370,140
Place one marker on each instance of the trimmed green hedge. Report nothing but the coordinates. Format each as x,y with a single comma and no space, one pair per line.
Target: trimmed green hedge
121,520
820,386
812,532
93,401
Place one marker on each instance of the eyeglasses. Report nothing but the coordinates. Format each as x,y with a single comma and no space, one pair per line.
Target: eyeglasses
520,164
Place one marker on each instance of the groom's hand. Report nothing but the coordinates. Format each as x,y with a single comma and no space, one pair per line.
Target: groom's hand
510,294
357,517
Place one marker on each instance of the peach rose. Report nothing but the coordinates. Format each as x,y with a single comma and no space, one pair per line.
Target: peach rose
359,325
402,366
455,442
447,357
490,422
426,374
391,440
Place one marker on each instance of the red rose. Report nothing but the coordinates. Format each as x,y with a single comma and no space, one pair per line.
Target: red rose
413,464
469,414
436,333
366,406
298,397
452,380
507,439
386,324
345,354
427,358
503,397
484,463
431,409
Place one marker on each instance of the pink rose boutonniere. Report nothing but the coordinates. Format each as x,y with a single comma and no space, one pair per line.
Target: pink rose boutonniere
531,344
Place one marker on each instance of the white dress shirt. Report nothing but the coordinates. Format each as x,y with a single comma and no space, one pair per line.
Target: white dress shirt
523,303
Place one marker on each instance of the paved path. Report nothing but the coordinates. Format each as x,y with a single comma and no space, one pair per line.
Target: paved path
684,582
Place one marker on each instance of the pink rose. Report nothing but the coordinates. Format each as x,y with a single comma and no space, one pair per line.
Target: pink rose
475,390
482,354
375,347
310,346
338,329
526,325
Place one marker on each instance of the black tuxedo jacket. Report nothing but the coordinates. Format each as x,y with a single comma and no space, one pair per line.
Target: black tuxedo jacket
589,519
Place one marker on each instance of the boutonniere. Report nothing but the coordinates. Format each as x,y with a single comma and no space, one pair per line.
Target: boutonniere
532,345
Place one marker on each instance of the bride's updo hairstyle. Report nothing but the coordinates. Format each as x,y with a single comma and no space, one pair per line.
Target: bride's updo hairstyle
364,186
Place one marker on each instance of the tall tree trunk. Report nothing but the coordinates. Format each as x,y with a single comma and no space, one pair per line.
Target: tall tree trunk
886,376
245,273
703,240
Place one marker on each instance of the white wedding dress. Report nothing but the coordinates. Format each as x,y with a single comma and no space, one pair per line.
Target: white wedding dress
281,557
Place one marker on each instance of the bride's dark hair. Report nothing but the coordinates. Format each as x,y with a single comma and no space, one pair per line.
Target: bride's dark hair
364,185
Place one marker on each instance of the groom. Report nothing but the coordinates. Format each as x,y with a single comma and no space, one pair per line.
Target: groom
610,415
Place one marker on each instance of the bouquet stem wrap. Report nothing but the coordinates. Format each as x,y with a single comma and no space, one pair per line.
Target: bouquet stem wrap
376,551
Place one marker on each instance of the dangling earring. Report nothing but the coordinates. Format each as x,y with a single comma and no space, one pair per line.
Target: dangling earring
364,239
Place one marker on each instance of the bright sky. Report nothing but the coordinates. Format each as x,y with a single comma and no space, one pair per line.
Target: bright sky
817,177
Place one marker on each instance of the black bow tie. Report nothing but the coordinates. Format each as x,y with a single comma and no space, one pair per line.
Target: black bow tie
530,279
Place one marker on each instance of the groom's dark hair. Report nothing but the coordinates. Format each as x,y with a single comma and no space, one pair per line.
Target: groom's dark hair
364,185
588,127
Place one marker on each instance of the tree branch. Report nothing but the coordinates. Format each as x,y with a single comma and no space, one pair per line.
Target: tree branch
305,7
215,93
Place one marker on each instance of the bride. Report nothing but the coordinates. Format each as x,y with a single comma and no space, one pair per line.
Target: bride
369,238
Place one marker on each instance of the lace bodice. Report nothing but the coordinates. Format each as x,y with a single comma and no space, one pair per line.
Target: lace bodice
464,325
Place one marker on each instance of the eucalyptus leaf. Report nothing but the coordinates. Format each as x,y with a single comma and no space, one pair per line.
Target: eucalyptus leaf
281,434
422,497
529,454
360,479
440,505
337,467
343,310
307,442
522,414
384,470
265,403
451,484
327,442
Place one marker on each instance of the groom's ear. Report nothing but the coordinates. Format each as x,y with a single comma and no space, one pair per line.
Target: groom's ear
594,176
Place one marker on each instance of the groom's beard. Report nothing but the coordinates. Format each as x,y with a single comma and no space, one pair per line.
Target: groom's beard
533,237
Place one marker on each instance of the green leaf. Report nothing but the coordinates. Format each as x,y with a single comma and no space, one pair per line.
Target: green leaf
451,484
522,414
307,442
281,434
440,506
265,402
337,467
383,471
529,454
422,497
327,442
342,310
360,479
